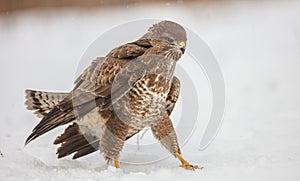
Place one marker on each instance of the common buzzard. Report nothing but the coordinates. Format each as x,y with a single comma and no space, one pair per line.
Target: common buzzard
118,95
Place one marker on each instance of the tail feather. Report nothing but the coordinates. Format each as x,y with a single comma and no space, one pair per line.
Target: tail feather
58,116
50,122
73,140
87,150
47,106
71,146
70,131
42,102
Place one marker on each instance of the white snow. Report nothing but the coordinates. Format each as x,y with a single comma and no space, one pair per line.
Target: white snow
257,44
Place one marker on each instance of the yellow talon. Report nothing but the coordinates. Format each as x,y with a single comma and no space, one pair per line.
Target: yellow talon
116,162
185,164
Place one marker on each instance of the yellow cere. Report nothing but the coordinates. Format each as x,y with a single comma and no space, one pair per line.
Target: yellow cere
182,44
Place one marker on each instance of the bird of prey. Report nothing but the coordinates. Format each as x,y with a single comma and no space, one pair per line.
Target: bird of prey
118,95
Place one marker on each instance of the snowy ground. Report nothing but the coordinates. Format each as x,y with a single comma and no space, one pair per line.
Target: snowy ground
256,43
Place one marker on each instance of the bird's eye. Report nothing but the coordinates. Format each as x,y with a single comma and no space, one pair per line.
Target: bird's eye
170,40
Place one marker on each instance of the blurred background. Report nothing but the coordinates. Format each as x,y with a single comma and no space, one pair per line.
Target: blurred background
14,5
257,45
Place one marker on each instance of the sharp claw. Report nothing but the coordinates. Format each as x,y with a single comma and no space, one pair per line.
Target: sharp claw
185,164
200,168
191,167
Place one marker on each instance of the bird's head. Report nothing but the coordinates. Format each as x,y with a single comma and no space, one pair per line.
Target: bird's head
170,32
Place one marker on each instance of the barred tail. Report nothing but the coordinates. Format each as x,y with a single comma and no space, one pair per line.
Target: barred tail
42,102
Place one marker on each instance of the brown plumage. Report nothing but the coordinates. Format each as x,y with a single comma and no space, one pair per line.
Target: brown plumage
116,96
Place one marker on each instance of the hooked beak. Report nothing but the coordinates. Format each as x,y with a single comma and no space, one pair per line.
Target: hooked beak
182,47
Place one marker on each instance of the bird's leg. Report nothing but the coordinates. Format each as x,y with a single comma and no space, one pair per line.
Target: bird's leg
185,164
116,162
165,133
112,140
